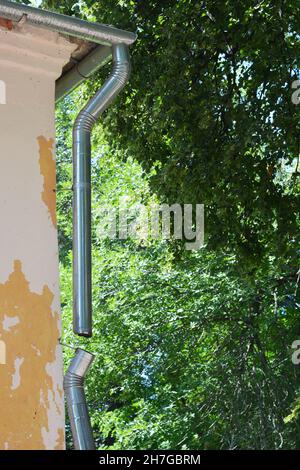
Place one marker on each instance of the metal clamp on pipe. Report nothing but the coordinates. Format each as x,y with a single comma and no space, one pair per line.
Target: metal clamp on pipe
87,118
76,402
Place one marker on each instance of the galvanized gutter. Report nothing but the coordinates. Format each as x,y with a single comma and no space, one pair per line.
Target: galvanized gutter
94,32
96,59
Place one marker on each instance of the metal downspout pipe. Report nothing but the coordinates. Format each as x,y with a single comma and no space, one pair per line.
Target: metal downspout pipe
87,118
76,403
82,263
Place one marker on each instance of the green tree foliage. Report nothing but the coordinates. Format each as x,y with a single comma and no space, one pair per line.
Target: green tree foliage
190,354
194,349
210,99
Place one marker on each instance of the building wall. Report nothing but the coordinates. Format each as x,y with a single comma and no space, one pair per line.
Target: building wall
31,373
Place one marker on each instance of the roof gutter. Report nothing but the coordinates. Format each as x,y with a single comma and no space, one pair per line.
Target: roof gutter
94,32
81,71
103,35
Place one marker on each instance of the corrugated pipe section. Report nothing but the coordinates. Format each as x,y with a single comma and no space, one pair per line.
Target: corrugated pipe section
82,265
76,402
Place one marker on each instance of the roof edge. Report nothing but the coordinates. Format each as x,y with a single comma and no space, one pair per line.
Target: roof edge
94,32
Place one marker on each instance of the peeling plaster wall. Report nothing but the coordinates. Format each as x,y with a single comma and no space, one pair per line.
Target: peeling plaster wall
31,395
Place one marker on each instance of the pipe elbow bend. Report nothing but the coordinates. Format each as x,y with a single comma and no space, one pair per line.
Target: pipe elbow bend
78,369
122,66
76,401
120,74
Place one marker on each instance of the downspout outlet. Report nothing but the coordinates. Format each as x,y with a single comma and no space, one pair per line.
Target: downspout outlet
76,401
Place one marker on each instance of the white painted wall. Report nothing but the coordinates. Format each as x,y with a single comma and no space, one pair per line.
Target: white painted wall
31,379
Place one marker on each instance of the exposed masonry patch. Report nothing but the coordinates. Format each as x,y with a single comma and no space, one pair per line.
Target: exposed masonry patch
48,171
7,24
60,440
55,396
25,378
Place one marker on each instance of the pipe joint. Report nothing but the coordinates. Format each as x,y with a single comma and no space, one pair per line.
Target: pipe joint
85,121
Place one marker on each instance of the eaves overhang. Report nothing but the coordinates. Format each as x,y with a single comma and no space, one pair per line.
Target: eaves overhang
93,40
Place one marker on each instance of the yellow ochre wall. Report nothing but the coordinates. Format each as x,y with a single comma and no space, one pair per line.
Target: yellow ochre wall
31,373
